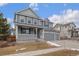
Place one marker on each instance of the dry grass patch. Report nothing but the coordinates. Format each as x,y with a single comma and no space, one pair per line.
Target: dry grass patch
28,47
8,50
32,46
64,52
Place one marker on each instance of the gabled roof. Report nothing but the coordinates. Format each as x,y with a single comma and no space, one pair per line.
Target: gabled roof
47,20
77,29
66,24
18,12
58,24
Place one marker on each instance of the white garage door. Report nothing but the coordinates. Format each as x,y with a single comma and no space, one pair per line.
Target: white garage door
51,36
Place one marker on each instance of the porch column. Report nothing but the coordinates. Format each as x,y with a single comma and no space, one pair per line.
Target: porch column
16,32
36,33
43,33
43,30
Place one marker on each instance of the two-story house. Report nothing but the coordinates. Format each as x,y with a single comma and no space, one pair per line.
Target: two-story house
77,29
29,26
67,30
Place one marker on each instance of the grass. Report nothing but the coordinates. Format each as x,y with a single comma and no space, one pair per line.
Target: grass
33,46
29,47
64,52
8,50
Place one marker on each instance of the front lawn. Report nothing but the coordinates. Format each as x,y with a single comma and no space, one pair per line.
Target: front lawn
8,50
32,46
24,47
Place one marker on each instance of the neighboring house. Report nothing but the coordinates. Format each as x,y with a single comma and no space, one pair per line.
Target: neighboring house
77,30
30,26
66,30
12,30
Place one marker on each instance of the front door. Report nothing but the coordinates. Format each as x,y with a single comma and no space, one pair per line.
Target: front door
38,33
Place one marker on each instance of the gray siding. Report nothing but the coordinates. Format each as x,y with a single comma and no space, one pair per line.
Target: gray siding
27,18
26,37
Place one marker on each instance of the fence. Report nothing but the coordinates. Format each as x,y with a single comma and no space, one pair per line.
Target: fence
11,38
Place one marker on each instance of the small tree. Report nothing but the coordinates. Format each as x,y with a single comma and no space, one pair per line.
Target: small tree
4,28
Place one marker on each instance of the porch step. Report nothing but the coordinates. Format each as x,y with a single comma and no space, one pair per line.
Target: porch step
40,40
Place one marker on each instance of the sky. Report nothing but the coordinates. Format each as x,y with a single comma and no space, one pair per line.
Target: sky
55,12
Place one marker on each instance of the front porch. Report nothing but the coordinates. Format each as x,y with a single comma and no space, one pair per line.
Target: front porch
28,33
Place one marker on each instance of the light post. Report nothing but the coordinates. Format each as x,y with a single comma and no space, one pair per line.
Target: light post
63,29
64,26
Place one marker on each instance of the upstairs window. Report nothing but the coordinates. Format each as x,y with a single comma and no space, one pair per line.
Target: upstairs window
17,18
29,20
35,23
46,23
22,20
26,20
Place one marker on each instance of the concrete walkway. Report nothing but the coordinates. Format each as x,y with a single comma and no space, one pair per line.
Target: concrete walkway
68,43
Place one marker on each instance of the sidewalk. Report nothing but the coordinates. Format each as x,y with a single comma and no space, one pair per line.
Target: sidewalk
68,43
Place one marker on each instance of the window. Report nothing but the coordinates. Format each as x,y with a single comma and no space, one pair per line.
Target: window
25,19
23,31
22,20
46,23
40,22
17,18
31,31
29,20
35,23
27,31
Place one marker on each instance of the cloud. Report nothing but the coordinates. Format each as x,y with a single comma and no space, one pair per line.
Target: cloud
34,6
11,22
2,4
67,16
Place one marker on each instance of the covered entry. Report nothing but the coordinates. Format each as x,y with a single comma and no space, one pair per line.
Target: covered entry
29,33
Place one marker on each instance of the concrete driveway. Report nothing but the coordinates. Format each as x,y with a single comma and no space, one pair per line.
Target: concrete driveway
68,43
